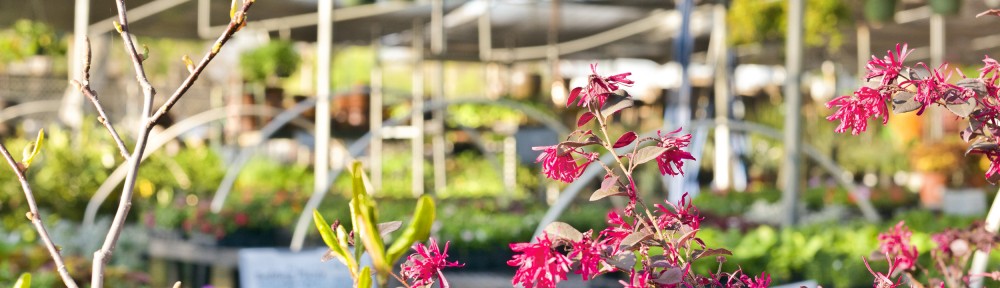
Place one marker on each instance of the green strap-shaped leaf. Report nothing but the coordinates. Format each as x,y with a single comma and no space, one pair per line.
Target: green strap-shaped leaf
365,278
366,217
418,230
328,235
24,281
32,149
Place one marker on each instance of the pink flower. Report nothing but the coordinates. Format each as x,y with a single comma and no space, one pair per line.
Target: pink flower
539,264
426,263
896,242
636,279
931,89
854,111
616,231
888,67
883,280
762,281
598,88
558,162
589,252
671,161
684,212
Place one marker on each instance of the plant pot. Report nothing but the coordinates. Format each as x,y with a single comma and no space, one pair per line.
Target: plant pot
357,2
945,7
880,11
932,191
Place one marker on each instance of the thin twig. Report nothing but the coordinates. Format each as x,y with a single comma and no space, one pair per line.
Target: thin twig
36,219
101,256
238,21
84,86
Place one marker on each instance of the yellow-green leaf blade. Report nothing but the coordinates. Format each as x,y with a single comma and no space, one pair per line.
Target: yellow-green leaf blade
329,237
24,281
418,230
365,278
32,150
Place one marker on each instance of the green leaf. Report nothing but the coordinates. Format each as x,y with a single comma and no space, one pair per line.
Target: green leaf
232,10
24,281
365,217
365,278
329,237
32,150
418,230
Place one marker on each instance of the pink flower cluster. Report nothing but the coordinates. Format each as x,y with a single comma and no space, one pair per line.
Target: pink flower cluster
424,266
896,244
903,87
626,243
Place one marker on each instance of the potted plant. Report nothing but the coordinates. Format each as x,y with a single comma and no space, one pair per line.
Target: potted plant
880,11
264,66
945,7
28,46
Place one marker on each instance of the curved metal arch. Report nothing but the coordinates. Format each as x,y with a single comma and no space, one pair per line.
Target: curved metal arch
361,145
567,195
158,140
28,108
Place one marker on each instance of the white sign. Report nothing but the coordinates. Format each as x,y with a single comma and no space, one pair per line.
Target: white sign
281,268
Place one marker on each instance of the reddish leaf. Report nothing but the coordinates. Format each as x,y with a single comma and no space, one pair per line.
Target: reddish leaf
625,139
572,96
670,276
994,12
584,119
609,187
563,231
623,261
647,154
635,238
616,103
710,252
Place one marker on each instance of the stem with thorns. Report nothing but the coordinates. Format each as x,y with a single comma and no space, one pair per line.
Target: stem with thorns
36,218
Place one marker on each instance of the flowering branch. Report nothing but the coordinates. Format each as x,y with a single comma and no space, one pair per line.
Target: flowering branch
627,242
890,82
36,217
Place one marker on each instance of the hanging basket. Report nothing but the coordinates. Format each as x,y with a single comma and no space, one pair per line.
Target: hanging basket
945,7
880,11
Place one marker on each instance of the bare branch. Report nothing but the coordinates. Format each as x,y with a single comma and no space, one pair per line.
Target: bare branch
84,87
239,20
102,256
36,219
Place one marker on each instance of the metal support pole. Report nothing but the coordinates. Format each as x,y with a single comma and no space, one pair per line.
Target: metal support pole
937,57
324,57
864,48
723,145
980,258
417,119
682,113
71,112
375,113
793,111
437,88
